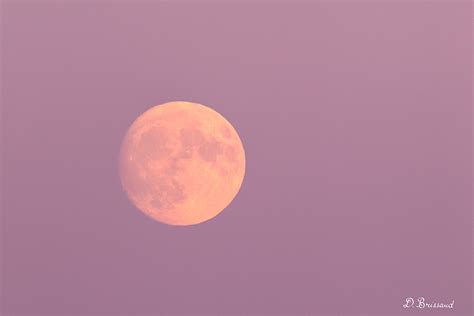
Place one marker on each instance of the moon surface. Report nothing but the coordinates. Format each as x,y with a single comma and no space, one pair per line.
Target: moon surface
181,163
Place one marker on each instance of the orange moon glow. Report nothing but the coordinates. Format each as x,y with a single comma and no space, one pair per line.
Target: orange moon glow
181,163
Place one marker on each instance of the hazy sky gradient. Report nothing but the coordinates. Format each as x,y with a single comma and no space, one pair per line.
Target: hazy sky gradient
356,121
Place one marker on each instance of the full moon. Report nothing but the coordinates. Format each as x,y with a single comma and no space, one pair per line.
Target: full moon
181,163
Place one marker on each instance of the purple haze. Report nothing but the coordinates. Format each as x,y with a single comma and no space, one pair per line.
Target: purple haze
356,121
